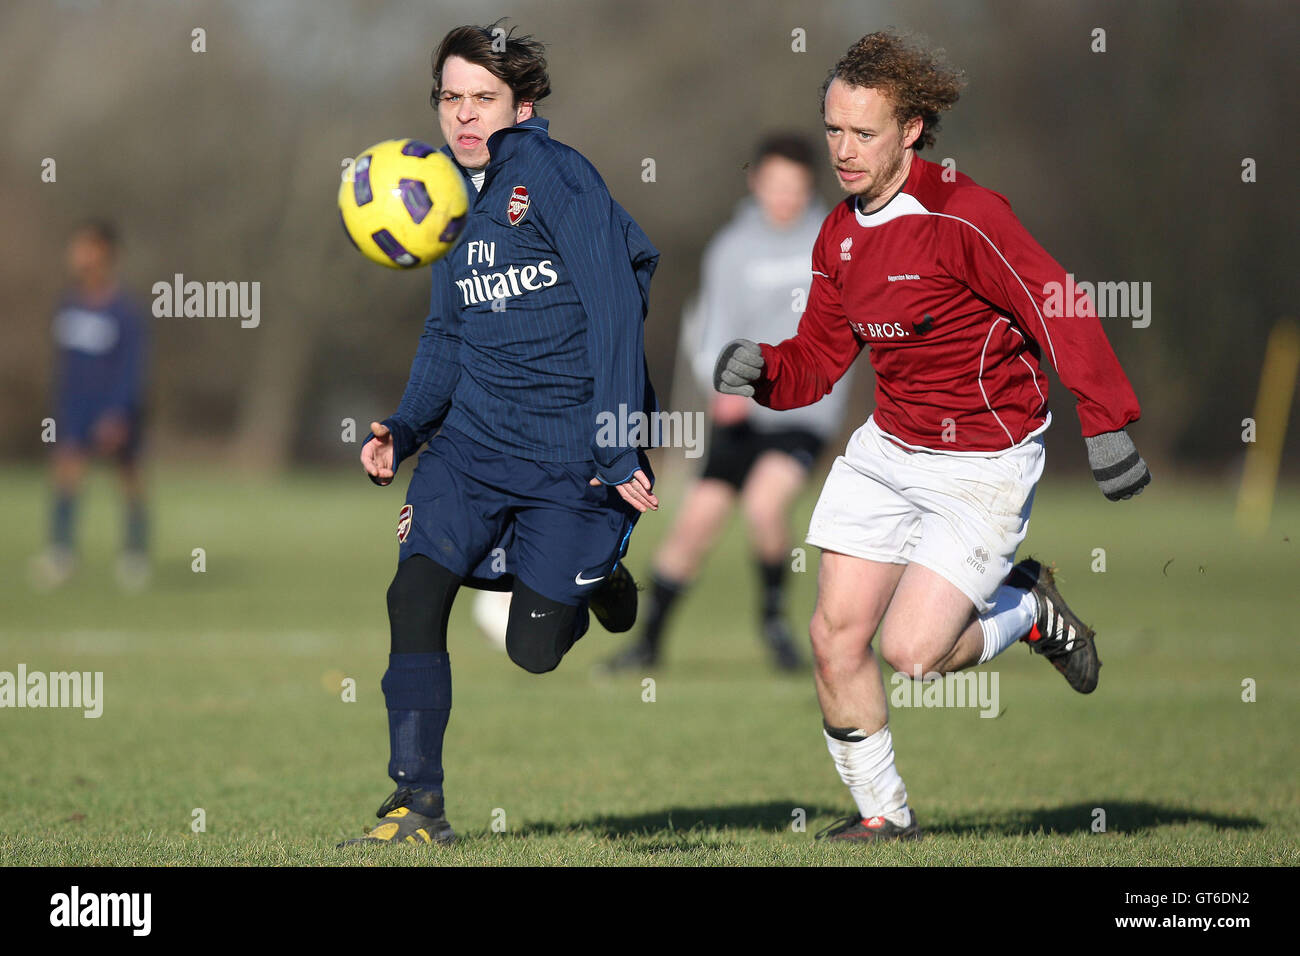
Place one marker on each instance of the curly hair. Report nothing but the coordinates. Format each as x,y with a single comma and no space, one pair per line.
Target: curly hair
916,80
518,61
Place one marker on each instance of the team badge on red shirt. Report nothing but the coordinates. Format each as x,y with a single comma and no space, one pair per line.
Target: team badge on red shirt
517,207
404,522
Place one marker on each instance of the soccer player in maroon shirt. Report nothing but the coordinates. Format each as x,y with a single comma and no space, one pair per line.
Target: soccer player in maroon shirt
920,518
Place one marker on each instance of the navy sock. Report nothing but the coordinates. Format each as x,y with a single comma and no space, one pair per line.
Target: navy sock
136,527
61,523
417,691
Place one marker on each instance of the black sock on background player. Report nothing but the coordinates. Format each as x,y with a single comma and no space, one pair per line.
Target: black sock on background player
772,577
776,632
663,595
644,650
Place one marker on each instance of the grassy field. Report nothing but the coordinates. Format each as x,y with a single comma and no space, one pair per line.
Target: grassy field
222,693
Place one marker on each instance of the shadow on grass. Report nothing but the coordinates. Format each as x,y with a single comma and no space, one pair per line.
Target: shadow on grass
773,815
1122,816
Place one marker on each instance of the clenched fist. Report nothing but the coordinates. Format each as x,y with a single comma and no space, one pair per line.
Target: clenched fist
1116,465
739,366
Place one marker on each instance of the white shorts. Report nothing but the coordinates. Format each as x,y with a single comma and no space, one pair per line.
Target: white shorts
961,516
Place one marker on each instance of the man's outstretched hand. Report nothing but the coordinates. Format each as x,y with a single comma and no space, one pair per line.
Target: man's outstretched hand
636,492
739,366
377,454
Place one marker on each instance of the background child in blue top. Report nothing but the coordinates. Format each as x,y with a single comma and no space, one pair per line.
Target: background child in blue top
101,338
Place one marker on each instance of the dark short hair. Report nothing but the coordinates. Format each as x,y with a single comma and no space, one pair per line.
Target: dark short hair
915,80
789,146
518,61
102,230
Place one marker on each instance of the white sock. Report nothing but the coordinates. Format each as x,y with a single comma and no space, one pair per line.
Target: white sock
1010,619
867,768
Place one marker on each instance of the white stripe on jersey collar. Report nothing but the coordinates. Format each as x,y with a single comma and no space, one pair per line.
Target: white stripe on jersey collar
903,204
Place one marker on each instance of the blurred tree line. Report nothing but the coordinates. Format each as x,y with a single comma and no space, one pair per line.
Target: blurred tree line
224,164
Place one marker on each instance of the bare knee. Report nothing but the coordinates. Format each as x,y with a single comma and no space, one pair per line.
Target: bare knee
907,657
840,648
911,664
924,624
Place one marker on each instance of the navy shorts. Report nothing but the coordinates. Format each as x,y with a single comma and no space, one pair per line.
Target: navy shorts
492,517
75,427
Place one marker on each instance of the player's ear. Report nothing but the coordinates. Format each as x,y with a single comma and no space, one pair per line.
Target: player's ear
524,111
912,131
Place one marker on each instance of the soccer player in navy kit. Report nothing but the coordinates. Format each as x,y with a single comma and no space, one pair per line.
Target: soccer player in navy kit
534,330
99,392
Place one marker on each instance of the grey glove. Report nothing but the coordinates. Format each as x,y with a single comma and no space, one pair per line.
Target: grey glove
739,366
1116,464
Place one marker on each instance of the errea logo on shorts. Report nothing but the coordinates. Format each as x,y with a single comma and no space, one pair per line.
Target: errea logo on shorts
845,246
979,559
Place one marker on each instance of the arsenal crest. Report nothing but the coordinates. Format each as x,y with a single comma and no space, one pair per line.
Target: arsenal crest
517,208
404,522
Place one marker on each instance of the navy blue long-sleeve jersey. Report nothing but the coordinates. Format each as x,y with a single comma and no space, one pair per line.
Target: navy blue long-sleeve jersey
535,320
101,356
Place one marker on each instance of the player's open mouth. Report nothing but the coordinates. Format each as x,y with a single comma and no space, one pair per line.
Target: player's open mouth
467,142
850,175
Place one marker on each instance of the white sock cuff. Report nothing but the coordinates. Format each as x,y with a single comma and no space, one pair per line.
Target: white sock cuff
1010,619
867,768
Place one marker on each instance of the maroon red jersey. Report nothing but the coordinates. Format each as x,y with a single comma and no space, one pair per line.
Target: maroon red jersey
948,290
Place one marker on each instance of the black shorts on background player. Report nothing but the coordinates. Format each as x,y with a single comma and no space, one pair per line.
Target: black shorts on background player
733,450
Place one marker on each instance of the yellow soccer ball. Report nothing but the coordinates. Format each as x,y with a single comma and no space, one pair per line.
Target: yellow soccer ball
404,204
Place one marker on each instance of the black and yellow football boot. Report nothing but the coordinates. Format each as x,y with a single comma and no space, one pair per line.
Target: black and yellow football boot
410,816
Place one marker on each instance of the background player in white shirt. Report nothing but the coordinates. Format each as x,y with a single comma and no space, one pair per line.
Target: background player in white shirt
757,457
